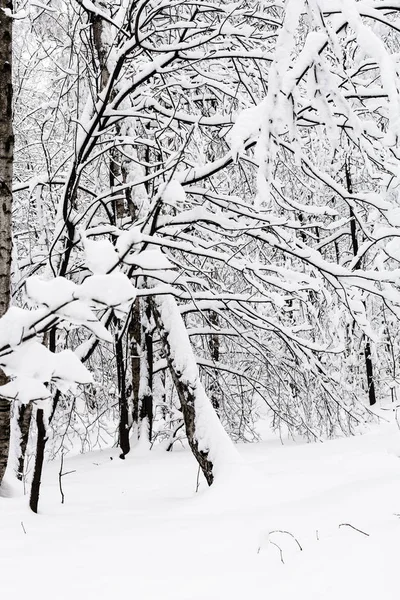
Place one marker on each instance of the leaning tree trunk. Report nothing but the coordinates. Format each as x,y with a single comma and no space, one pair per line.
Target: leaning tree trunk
206,436
6,172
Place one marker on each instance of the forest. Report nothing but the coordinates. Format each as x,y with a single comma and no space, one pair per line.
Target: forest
200,297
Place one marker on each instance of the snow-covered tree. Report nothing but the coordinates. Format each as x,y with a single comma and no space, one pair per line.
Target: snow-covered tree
212,200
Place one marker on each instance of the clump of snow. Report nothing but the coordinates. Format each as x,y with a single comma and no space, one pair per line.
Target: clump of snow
127,240
247,124
100,255
24,389
173,193
32,359
109,290
151,260
52,293
15,324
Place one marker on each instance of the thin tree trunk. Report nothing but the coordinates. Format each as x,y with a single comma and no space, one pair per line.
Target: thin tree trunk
141,348
4,429
215,355
146,370
40,448
123,398
49,340
369,367
370,373
134,332
6,174
24,420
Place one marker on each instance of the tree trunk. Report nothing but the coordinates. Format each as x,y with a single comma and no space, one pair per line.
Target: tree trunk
40,447
141,349
215,355
4,429
122,395
24,420
134,332
206,436
370,373
187,398
369,367
146,370
6,174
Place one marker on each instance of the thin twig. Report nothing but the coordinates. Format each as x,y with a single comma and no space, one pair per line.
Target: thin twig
280,550
287,533
61,475
198,480
355,528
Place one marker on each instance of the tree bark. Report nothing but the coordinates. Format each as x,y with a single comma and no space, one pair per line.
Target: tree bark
370,373
6,174
146,370
40,447
134,333
122,394
24,420
4,430
215,355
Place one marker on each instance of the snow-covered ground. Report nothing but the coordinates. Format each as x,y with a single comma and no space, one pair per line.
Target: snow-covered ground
138,528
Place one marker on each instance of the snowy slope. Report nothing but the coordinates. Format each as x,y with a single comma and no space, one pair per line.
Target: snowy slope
137,527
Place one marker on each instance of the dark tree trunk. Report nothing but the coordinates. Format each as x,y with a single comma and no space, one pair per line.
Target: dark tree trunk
50,341
6,174
122,395
146,370
40,448
24,420
369,367
370,373
215,354
134,333
4,429
141,348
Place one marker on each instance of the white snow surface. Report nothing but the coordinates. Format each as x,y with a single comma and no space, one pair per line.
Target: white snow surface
137,527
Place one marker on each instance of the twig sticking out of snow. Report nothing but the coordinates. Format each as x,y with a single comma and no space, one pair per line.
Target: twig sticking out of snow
355,528
291,535
275,544
280,550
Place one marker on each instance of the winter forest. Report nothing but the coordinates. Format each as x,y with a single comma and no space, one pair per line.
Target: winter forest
199,299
